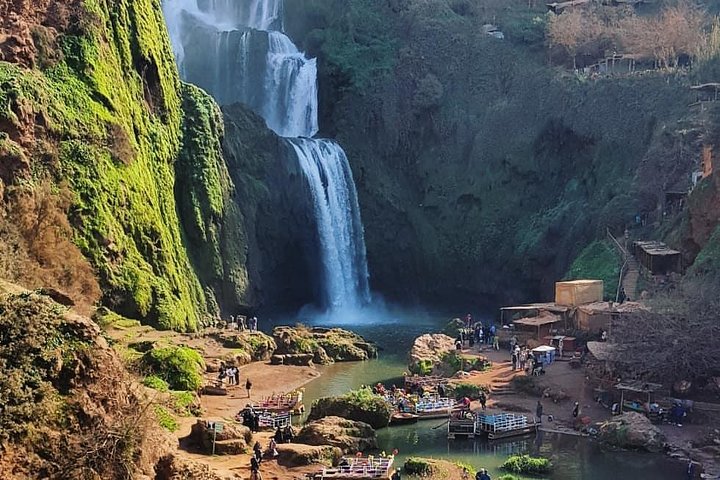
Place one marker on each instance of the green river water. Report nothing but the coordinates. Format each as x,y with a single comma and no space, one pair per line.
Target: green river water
574,458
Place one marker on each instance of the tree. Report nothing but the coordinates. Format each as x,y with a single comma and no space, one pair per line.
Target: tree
565,31
679,339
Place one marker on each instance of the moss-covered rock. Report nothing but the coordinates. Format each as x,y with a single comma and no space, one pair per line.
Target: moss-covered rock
350,436
247,346
180,367
360,405
428,351
298,454
433,469
327,345
526,464
632,430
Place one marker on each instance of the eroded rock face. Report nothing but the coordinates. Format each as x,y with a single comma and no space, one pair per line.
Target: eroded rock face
350,436
632,430
428,350
248,346
326,345
298,454
233,439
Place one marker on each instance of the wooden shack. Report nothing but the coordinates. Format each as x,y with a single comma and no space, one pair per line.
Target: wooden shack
578,292
538,327
656,257
603,315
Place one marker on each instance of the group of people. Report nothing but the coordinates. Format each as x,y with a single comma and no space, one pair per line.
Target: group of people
473,333
232,373
251,419
242,323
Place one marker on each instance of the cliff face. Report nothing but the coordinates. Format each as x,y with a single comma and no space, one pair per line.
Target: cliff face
482,171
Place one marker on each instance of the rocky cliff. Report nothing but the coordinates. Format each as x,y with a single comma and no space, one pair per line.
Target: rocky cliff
482,170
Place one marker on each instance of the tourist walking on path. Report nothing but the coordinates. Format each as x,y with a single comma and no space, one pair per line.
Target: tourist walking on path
255,469
539,411
482,475
514,361
513,342
248,387
496,342
576,410
483,399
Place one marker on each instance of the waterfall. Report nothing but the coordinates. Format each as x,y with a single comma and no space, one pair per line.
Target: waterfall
237,52
337,213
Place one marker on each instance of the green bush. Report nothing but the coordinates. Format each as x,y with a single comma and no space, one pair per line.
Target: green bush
166,419
598,261
186,404
153,381
180,367
526,464
359,405
423,367
468,390
417,466
508,477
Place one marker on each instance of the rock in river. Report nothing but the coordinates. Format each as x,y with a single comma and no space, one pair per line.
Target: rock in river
632,430
428,351
327,345
349,435
361,405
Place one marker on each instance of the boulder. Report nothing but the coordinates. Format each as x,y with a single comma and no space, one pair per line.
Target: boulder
429,350
233,439
453,327
299,359
327,345
349,435
298,454
632,430
248,346
361,405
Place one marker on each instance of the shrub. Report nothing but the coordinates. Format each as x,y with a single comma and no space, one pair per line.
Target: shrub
526,464
508,477
180,367
186,404
468,390
157,383
359,405
417,466
166,419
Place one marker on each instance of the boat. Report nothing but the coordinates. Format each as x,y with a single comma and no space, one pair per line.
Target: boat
503,425
434,407
403,418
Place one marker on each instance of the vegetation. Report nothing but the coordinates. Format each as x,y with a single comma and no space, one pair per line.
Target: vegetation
157,383
641,345
360,405
598,261
180,367
527,465
469,390
166,419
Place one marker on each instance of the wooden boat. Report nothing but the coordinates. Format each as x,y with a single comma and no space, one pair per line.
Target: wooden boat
403,418
503,425
438,407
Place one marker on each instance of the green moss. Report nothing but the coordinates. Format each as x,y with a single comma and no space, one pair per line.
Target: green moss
360,405
107,318
165,418
113,105
153,381
527,464
185,403
468,390
417,466
180,367
598,261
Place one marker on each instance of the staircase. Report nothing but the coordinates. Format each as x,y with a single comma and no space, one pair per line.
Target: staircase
630,278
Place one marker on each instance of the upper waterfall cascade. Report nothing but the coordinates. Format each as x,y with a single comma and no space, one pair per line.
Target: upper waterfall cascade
236,51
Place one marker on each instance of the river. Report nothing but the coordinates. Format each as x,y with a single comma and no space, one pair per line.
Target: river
393,329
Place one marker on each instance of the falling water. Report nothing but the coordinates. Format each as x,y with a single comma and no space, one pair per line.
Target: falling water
237,52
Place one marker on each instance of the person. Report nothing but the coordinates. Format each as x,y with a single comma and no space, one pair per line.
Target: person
513,342
560,348
496,342
237,376
458,343
255,468
483,399
441,390
603,336
482,475
522,358
621,296
539,411
279,437
396,475
514,360
248,387
690,470
222,373
253,324
576,410
257,450
243,324
465,474
272,449
289,435
468,320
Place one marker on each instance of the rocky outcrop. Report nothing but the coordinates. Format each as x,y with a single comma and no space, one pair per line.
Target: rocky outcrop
233,440
361,405
632,430
350,436
326,345
247,346
428,352
300,359
298,454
